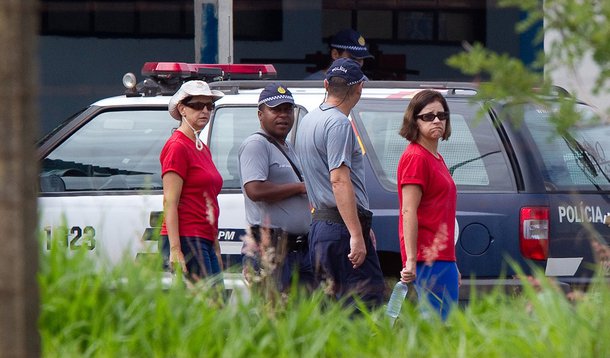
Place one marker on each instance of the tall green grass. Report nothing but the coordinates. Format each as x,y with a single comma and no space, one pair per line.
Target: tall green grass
126,311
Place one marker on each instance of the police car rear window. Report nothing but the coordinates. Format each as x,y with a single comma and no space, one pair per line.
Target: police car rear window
472,153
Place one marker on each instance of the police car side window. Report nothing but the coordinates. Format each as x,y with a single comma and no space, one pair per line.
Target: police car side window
114,151
230,126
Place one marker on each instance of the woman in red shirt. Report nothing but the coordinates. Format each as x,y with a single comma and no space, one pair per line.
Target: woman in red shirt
427,197
191,184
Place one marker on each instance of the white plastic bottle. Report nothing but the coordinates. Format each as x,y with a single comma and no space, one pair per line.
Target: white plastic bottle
399,293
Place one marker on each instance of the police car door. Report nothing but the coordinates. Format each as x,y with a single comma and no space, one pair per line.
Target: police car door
100,183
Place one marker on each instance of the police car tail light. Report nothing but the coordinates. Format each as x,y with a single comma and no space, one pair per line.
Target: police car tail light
534,232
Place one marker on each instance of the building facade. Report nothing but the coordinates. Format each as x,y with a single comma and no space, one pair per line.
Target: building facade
86,46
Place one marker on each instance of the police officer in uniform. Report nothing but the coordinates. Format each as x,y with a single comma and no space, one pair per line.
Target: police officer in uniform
277,208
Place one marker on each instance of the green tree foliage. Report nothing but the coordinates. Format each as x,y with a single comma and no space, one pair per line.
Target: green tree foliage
579,29
583,29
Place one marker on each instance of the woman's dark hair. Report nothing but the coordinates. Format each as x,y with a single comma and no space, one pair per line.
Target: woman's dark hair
418,102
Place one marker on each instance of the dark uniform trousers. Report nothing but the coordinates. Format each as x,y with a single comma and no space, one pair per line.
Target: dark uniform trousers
329,245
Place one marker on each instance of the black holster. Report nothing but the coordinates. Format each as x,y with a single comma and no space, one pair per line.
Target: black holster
293,242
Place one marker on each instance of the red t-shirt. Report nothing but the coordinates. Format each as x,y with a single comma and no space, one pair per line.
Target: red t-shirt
198,205
436,211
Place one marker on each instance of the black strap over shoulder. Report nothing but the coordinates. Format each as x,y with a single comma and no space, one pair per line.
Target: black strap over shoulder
277,145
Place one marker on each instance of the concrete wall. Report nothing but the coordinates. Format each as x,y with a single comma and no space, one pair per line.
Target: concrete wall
579,80
74,72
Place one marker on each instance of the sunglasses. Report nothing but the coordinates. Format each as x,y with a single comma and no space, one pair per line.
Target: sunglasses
199,106
429,117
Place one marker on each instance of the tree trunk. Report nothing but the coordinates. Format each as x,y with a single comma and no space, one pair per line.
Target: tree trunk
18,172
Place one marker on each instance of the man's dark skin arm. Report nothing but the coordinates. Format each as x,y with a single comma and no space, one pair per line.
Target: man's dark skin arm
271,192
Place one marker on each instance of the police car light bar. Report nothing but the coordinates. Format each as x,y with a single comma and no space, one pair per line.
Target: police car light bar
241,71
166,70
165,78
185,71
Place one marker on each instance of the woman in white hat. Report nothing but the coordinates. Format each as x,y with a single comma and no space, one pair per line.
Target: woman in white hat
191,184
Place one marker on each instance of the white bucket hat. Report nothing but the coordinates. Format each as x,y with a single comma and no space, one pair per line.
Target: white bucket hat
191,88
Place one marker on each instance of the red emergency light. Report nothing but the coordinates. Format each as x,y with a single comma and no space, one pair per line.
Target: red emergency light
166,70
205,71
165,78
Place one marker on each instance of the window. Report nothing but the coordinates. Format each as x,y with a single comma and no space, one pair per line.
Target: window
231,125
472,153
114,151
462,154
427,21
258,21
415,25
154,19
579,160
118,18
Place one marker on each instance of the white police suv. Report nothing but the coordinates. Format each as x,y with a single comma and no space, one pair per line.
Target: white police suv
526,194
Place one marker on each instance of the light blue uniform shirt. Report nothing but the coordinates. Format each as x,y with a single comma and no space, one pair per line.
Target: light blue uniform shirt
260,160
325,141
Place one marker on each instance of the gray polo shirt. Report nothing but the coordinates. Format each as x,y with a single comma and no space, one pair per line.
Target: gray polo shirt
325,140
260,160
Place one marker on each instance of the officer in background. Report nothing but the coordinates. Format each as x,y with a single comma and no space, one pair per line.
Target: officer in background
277,208
346,43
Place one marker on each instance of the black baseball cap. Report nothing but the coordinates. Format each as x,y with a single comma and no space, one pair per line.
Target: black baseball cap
347,69
275,94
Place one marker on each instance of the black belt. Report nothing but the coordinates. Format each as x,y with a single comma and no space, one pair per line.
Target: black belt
332,214
294,242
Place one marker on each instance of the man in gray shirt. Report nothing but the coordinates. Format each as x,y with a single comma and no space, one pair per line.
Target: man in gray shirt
277,208
341,248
